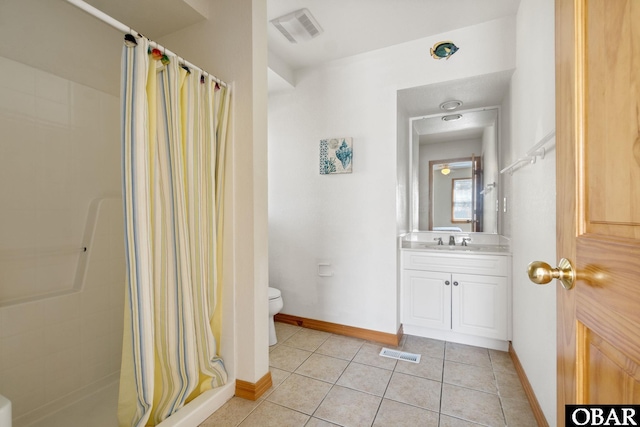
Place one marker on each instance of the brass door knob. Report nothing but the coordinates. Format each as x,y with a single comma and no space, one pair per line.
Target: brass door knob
542,273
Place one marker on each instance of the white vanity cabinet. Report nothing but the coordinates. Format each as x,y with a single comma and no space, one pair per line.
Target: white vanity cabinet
456,297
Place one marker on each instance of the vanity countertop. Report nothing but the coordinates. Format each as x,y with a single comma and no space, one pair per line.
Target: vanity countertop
458,249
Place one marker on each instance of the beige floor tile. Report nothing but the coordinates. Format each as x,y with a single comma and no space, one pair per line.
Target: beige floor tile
317,422
287,358
277,377
414,391
231,413
471,386
476,377
470,355
285,330
349,408
518,413
501,361
323,368
340,347
509,385
300,393
472,405
424,346
307,339
365,378
429,367
447,421
271,415
396,414
369,354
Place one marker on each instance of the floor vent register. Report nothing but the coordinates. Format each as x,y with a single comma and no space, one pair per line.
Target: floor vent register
400,355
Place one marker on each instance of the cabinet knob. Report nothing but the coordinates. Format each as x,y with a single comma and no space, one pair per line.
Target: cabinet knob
455,283
446,282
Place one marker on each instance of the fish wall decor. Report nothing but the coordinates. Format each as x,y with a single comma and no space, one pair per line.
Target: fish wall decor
443,49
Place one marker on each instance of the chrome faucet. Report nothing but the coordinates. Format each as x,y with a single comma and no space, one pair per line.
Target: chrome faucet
439,240
452,241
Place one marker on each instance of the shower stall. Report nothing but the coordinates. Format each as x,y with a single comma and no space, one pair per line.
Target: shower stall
62,263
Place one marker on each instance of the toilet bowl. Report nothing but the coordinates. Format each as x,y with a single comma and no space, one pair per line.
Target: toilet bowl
275,305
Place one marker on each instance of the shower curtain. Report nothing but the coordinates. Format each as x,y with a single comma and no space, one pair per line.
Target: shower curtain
174,123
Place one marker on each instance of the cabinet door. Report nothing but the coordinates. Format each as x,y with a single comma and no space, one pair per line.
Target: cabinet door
426,299
479,305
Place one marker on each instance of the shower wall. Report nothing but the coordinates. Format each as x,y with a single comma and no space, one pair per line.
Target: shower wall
61,307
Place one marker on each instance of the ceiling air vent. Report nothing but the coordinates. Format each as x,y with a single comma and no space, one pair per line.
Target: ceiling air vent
298,26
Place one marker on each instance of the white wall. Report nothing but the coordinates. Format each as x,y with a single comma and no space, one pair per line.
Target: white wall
58,37
504,158
491,175
533,200
350,220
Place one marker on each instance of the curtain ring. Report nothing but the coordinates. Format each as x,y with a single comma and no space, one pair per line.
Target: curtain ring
130,41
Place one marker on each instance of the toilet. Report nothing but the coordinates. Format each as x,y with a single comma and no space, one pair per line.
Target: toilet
275,305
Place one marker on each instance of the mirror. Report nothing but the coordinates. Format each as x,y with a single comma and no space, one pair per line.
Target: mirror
457,171
470,132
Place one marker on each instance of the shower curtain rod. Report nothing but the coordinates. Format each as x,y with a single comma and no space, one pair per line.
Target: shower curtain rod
128,30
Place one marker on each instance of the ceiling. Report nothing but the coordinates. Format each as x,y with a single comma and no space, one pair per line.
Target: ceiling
356,26
350,27
154,18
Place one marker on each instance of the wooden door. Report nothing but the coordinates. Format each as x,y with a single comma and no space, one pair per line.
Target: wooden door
598,200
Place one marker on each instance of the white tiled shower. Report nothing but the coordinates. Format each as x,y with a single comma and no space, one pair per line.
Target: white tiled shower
61,308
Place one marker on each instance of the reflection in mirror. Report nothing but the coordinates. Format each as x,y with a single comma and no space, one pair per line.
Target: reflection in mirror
461,201
453,195
463,153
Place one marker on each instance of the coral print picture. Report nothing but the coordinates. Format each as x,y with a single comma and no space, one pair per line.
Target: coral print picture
336,155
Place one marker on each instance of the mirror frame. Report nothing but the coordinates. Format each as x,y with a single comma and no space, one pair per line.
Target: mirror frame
414,216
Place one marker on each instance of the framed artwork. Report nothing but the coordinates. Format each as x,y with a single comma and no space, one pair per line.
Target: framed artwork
336,155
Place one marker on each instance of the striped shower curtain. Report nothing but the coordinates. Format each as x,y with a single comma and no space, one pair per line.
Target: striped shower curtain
174,124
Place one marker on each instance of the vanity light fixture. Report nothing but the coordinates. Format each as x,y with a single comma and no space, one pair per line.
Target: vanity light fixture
452,117
450,105
445,170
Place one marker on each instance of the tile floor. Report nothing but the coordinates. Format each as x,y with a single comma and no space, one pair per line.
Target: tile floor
323,380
